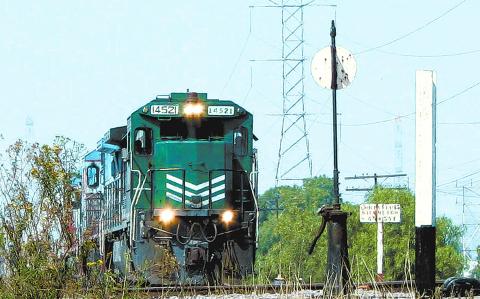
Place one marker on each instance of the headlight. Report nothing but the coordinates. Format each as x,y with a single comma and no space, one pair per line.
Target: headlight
227,216
193,109
167,215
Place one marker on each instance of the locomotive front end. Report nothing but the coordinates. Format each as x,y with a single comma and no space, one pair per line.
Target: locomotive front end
193,205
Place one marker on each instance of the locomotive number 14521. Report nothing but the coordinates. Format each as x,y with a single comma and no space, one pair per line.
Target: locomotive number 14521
221,110
164,109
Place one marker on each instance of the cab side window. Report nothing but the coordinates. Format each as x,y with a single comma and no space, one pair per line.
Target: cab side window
143,141
240,141
93,176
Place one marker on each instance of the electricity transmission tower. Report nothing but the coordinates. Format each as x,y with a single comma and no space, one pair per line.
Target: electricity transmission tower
29,132
294,160
470,226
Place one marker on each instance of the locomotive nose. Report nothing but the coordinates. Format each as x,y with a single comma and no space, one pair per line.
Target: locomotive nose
199,180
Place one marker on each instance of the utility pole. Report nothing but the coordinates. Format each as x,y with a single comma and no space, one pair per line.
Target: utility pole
425,182
375,178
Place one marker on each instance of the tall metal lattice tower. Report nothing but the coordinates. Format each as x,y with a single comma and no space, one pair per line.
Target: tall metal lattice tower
294,160
470,226
29,131
398,151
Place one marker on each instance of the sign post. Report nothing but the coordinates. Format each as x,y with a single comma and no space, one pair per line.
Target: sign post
380,251
380,213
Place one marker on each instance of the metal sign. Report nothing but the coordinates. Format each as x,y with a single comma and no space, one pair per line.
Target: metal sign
372,213
321,68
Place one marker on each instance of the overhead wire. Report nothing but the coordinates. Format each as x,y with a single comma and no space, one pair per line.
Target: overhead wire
368,104
460,178
239,56
379,121
367,161
430,55
412,113
460,123
245,98
461,164
459,93
413,31
457,194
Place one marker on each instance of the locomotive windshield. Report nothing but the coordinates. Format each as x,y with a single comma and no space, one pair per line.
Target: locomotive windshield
198,129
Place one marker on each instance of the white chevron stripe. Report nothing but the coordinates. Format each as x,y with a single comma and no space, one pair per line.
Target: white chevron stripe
174,197
174,179
218,197
218,179
193,186
190,194
175,188
205,202
179,190
214,199
214,190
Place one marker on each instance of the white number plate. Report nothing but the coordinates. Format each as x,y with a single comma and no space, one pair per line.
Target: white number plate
221,110
164,109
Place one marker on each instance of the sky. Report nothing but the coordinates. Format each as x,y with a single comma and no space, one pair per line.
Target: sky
77,68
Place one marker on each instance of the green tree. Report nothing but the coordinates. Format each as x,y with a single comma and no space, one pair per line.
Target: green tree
476,269
450,261
398,239
284,241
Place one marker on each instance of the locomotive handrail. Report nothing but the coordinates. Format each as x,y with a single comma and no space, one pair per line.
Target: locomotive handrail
132,209
139,191
141,184
257,212
243,172
151,171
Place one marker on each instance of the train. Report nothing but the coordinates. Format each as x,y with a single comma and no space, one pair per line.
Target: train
171,197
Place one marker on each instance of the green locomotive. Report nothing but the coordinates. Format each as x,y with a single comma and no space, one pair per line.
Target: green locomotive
172,195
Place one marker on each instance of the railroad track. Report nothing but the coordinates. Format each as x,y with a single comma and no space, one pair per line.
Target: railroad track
285,288
227,289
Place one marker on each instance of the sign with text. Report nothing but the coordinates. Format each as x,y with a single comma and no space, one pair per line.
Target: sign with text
372,213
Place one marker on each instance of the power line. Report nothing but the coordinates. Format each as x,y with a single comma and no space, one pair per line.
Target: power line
430,55
458,179
459,93
413,31
365,160
460,123
369,104
250,88
412,113
375,178
379,121
457,194
239,56
463,163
